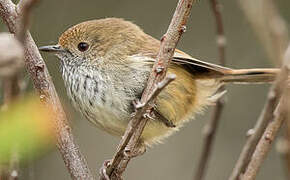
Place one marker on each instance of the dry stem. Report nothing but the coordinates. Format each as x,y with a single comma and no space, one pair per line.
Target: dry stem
211,127
11,62
24,7
35,65
280,114
11,84
269,26
137,123
248,149
271,30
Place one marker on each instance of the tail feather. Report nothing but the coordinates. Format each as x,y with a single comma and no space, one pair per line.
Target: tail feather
263,75
204,70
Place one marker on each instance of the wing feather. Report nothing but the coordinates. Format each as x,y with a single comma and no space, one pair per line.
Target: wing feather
199,68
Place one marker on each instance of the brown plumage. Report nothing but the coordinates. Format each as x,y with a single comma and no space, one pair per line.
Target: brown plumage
106,64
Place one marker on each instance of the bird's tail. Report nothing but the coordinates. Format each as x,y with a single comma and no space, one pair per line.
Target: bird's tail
204,70
259,75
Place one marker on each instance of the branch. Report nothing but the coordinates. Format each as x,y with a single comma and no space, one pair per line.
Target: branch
269,26
211,127
221,39
271,30
35,65
14,166
263,120
11,61
11,85
24,7
281,113
137,123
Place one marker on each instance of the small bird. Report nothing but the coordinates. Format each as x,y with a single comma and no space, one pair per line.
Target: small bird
105,67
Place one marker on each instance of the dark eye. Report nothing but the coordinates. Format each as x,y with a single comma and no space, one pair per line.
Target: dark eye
82,46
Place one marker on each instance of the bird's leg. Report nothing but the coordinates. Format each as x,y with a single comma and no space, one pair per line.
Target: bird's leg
152,114
103,174
163,119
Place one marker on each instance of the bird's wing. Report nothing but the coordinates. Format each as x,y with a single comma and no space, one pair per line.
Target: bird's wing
204,70
199,68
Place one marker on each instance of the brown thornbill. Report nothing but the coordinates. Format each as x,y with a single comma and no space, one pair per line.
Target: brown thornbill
106,64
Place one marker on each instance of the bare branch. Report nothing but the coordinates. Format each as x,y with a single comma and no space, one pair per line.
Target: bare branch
249,147
137,123
14,165
269,27
11,84
221,39
209,134
35,65
11,59
11,62
271,30
280,114
211,127
24,7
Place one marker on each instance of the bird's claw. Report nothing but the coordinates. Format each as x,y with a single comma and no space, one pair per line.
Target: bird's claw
137,104
138,151
149,115
104,175
103,170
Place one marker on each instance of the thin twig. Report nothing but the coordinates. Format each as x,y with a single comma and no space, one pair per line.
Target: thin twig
249,147
11,62
209,134
24,7
271,30
35,65
221,39
269,26
14,165
167,47
211,127
11,93
12,83
280,114
11,89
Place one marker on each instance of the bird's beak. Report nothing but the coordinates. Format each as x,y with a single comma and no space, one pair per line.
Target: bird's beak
51,48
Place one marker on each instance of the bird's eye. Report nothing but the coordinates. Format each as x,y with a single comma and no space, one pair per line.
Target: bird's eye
82,46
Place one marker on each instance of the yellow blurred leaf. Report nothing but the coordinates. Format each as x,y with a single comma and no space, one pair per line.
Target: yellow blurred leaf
25,128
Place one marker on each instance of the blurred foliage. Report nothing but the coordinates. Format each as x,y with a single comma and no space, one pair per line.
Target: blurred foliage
25,128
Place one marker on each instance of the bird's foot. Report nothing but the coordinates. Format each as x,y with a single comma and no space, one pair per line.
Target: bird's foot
137,104
103,171
134,152
104,175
